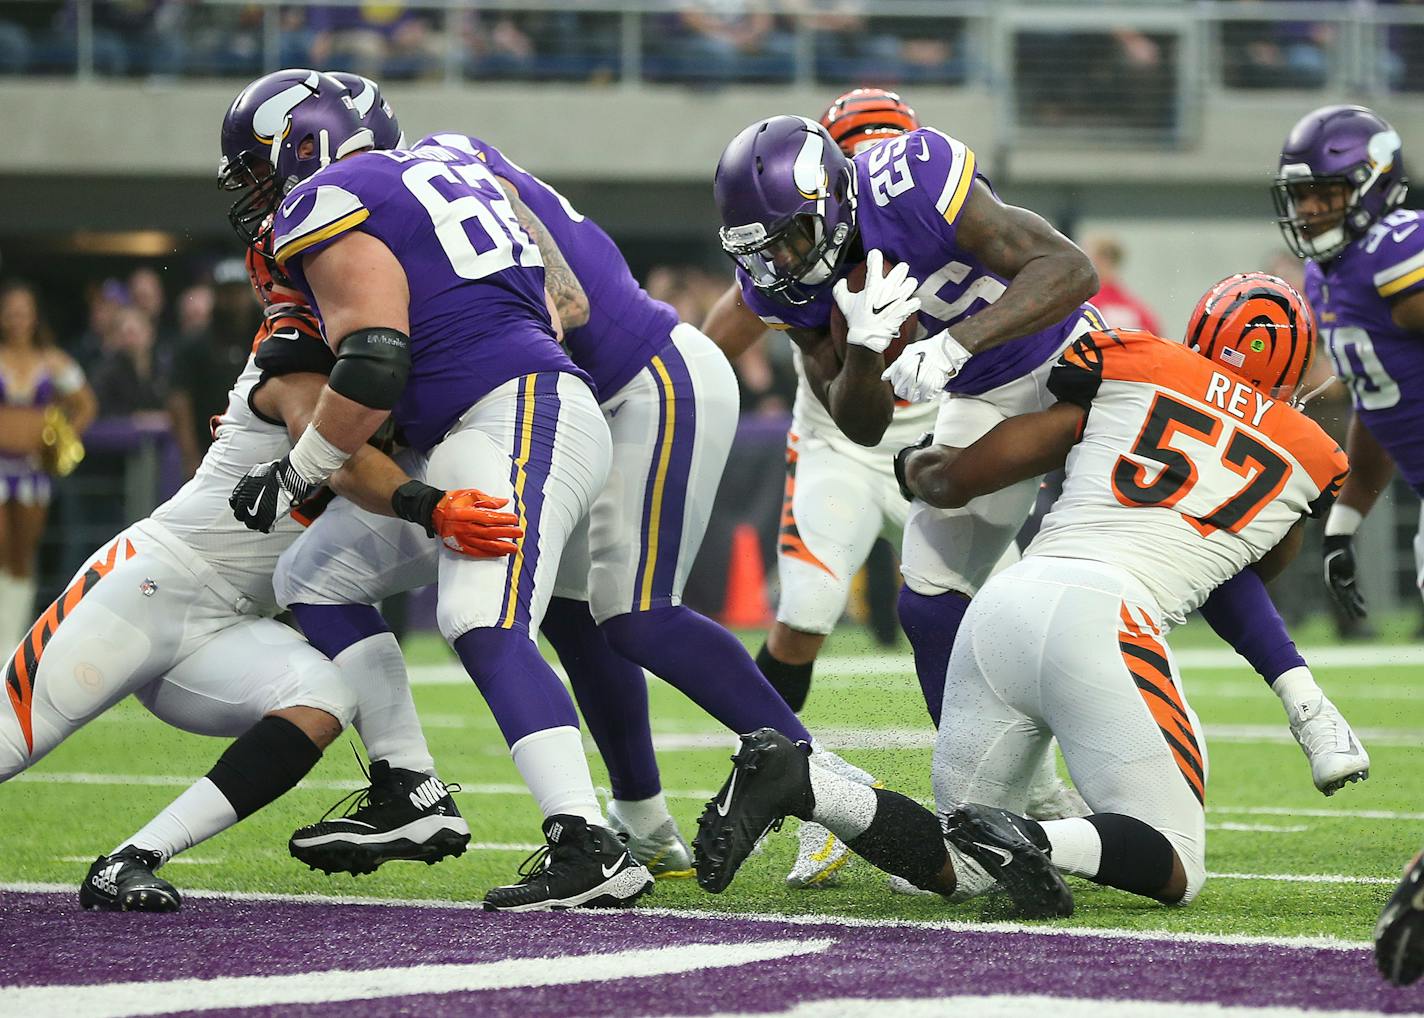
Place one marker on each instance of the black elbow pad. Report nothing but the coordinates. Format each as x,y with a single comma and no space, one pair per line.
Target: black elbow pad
372,367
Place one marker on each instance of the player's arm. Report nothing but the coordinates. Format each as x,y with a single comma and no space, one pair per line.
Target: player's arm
733,326
1049,275
564,289
1371,469
466,520
1022,447
1274,562
850,388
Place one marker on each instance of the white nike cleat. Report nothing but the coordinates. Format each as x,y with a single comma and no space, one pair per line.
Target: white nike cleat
839,766
818,859
899,885
1336,756
664,852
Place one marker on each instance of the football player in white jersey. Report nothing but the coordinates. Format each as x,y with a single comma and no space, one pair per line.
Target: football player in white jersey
1184,466
175,610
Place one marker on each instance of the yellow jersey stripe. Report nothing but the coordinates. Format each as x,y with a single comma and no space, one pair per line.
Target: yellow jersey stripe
961,192
521,461
297,245
1402,283
645,598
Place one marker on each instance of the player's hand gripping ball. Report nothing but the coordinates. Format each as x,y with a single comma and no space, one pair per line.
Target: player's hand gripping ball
875,307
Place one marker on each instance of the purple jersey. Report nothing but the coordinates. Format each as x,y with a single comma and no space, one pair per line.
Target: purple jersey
477,311
626,328
910,192
1382,363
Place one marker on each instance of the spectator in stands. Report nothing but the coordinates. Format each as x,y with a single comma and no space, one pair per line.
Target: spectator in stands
1275,53
105,302
14,48
131,378
377,40
217,322
145,288
35,376
497,46
132,36
1118,305
723,40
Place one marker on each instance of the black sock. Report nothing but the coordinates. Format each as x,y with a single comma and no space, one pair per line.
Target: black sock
263,764
792,682
903,839
1136,857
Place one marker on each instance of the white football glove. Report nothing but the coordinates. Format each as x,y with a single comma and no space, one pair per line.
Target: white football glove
874,315
923,369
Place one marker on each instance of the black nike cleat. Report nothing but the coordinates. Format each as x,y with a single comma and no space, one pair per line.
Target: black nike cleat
1399,934
125,882
402,814
1000,842
770,780
581,866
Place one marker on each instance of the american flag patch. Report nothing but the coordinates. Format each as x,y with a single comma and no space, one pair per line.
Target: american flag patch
1231,357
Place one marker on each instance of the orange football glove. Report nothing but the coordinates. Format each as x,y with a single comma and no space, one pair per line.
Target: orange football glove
467,521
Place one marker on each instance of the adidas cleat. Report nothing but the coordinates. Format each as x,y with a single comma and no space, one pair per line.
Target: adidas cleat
770,780
819,857
125,882
402,814
1399,934
1336,756
581,866
664,852
996,840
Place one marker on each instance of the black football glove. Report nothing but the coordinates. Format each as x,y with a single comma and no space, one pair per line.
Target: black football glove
901,457
1340,575
267,492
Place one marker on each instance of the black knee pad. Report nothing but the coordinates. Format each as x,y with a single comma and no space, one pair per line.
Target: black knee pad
264,763
1136,857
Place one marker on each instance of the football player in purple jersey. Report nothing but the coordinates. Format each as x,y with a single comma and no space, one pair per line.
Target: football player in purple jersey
1338,191
1000,293
432,297
670,401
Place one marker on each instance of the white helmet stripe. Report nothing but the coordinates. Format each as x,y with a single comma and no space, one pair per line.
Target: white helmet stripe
808,171
270,119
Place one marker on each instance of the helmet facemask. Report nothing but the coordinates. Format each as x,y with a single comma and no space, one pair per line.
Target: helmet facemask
791,264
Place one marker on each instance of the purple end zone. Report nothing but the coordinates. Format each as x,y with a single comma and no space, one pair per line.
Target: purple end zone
45,940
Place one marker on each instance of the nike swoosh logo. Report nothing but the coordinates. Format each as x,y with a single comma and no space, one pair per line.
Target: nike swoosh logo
620,406
882,307
924,155
1400,235
608,871
290,334
1003,854
287,209
726,802
252,509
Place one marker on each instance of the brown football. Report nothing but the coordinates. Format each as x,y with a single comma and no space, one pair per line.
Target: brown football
856,280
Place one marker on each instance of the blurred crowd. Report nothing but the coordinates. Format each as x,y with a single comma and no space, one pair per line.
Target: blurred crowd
694,40
1122,75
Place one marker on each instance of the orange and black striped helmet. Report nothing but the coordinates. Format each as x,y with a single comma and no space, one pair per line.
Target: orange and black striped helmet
865,116
1258,327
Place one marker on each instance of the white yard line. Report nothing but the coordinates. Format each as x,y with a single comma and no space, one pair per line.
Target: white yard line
821,919
120,1000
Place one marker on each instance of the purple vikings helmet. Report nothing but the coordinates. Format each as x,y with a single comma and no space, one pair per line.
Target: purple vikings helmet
375,109
1349,146
787,197
264,136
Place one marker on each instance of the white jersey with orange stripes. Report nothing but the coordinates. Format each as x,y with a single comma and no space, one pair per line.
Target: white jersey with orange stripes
1184,474
199,514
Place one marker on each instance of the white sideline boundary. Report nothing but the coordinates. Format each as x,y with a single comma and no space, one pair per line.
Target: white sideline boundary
1104,933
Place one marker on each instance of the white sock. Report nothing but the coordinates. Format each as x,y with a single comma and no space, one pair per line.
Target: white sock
385,713
1076,846
825,758
970,880
552,764
193,817
843,806
641,816
1296,686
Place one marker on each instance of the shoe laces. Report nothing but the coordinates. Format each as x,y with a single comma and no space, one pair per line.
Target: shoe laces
1322,730
535,864
359,799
